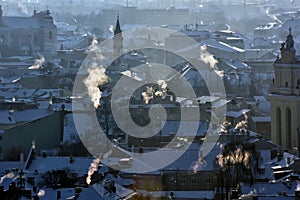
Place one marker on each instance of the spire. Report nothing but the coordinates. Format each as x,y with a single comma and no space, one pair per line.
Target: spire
289,40
118,28
287,49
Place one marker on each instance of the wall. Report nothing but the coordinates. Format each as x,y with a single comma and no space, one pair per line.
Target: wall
46,132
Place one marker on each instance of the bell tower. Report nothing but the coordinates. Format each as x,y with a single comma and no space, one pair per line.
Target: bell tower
285,98
118,39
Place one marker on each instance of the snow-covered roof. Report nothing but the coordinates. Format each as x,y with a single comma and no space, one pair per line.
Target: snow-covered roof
98,191
221,46
172,127
207,194
189,161
80,164
268,26
30,114
10,118
119,180
9,93
65,193
9,165
21,22
236,114
6,118
236,64
207,99
261,119
261,188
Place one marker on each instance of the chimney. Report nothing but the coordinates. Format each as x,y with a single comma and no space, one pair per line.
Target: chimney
201,156
58,195
1,11
21,157
297,191
297,194
279,156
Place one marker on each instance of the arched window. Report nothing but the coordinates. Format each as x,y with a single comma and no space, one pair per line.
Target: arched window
278,126
50,35
1,38
288,128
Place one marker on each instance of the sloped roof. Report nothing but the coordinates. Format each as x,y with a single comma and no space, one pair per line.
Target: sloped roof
21,22
189,160
261,119
172,126
237,114
80,165
267,189
221,46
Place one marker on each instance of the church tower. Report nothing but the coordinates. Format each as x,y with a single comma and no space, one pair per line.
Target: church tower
285,97
118,39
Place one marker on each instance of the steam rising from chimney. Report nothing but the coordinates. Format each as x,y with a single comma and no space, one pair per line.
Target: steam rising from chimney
96,78
242,124
161,91
9,175
92,169
298,186
38,62
207,58
162,88
199,164
41,193
148,94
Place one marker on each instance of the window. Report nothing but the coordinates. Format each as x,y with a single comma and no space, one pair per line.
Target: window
286,84
173,180
1,38
24,39
208,180
50,35
298,82
12,39
0,149
0,137
278,126
35,39
194,181
65,121
183,181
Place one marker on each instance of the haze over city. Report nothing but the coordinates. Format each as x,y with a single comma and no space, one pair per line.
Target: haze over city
149,99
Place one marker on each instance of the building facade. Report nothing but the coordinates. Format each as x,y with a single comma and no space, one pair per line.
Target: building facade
27,35
285,98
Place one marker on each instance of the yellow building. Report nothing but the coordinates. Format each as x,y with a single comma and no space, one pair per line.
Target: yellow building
285,97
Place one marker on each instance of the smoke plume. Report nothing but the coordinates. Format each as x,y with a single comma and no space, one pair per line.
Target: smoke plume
148,95
96,78
242,124
207,57
160,91
92,169
162,88
41,193
38,62
9,175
